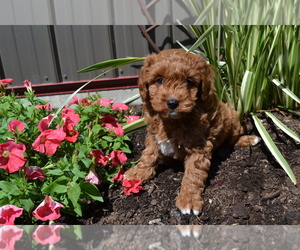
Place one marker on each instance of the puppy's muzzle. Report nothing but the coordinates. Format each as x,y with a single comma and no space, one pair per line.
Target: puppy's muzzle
173,103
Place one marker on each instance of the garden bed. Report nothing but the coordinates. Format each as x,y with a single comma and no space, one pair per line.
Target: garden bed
245,186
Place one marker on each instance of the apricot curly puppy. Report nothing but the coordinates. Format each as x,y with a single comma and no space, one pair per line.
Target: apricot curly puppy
186,121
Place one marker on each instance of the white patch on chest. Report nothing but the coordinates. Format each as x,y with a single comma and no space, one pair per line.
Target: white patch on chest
169,148
166,147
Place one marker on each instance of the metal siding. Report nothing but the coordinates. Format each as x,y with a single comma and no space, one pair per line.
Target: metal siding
24,12
9,55
80,47
26,54
183,12
82,12
7,12
162,11
163,37
91,12
181,35
129,42
128,12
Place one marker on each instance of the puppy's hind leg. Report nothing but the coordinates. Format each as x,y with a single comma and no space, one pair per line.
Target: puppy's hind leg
247,140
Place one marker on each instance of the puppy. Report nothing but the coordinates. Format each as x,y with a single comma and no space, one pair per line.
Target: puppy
186,121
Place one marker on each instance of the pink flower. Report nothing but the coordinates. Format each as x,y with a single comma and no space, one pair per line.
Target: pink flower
44,123
109,119
131,118
9,213
46,106
103,102
112,124
11,156
70,117
71,133
92,177
9,235
120,106
83,102
131,186
33,173
48,210
47,234
27,83
119,176
99,157
74,101
4,82
16,126
48,141
118,158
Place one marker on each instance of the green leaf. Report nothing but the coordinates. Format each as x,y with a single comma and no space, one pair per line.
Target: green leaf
201,39
91,191
87,162
286,90
10,188
131,99
96,128
134,126
57,186
116,145
247,90
273,149
111,63
283,127
56,171
27,204
108,138
73,193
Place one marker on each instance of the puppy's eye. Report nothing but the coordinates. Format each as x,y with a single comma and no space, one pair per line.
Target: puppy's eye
160,80
189,81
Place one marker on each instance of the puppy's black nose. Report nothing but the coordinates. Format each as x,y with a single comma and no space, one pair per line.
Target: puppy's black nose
172,104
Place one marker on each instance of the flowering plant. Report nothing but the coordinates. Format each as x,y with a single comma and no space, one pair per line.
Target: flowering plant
52,162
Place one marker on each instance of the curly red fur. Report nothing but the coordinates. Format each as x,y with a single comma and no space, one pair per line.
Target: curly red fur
185,121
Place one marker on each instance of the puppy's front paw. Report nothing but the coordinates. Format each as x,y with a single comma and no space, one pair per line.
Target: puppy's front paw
188,202
188,230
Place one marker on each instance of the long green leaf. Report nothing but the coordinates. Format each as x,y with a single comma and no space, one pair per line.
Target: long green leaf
273,148
201,39
131,99
111,63
283,127
286,90
204,14
134,126
247,90
84,85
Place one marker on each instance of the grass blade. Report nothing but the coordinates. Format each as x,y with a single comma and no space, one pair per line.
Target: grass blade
286,90
201,39
131,99
111,63
273,148
247,91
283,127
84,85
134,126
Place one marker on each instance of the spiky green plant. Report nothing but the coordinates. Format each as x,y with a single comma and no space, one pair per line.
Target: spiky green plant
257,68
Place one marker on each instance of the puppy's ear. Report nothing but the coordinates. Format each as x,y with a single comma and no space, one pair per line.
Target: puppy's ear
206,88
143,82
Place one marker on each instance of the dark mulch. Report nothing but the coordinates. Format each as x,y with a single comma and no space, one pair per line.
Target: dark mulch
245,186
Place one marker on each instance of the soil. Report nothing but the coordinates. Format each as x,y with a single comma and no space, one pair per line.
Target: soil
246,186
